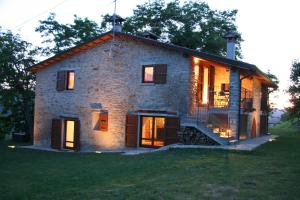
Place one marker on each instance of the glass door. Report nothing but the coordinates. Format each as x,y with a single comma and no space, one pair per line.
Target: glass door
69,134
152,131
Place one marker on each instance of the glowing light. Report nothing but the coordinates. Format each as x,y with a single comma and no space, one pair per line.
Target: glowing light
196,60
11,146
149,74
205,86
70,133
98,152
71,80
196,75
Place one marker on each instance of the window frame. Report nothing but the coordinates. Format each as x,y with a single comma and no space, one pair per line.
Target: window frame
159,73
65,134
68,79
143,73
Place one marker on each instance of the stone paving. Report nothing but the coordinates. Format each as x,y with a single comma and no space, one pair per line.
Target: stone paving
248,145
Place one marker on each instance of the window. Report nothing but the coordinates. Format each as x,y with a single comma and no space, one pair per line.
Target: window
153,131
205,85
148,74
155,74
65,80
102,123
69,133
70,80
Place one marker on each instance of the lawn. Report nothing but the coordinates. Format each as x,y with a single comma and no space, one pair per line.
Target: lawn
270,172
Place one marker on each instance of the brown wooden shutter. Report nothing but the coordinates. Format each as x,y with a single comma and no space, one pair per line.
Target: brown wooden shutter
61,80
264,98
172,126
56,133
160,74
77,135
211,85
103,121
131,130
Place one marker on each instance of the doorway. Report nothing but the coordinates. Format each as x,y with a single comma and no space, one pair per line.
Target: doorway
152,131
69,134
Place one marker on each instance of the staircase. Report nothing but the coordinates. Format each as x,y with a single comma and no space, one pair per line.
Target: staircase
207,131
199,121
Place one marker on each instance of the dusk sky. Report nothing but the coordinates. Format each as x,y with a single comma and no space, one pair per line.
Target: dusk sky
270,28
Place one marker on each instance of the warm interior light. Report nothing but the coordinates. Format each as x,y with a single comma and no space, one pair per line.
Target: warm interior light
149,74
196,76
71,80
196,60
205,86
11,146
70,133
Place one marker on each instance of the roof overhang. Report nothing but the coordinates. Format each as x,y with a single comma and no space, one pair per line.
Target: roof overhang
109,35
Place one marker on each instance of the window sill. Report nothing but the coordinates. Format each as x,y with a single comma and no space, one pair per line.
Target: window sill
147,84
66,91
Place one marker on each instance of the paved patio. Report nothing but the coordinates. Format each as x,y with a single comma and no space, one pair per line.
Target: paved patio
248,145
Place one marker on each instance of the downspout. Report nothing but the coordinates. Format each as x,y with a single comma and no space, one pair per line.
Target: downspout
239,104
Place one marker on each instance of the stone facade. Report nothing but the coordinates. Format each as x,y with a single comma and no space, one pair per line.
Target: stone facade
234,99
111,76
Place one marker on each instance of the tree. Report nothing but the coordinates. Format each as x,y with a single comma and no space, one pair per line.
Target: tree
272,90
294,91
192,24
275,80
59,37
16,84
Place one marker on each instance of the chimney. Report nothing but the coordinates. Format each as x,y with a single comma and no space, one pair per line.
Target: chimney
116,22
231,38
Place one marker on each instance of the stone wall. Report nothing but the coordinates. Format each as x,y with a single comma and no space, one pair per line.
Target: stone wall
234,99
109,74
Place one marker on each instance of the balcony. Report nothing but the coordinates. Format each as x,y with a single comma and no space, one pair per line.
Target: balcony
221,98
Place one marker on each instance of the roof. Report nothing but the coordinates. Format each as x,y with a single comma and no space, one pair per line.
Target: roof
108,35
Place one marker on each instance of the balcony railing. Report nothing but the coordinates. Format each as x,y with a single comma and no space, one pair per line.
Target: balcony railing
221,98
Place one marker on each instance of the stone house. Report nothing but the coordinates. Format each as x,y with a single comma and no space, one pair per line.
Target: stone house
121,90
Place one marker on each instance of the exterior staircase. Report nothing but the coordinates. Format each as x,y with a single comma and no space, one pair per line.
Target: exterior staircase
199,121
207,131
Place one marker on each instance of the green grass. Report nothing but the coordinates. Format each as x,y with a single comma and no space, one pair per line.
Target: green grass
270,172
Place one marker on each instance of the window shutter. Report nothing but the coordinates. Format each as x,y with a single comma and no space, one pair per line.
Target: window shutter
56,133
264,98
61,80
131,130
104,121
160,74
77,135
211,85
172,126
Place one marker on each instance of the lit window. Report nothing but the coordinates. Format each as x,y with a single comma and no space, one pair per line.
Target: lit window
70,80
70,125
205,86
148,74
